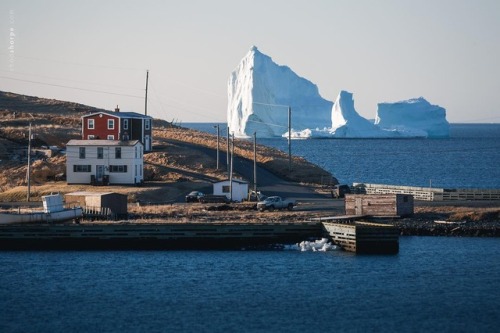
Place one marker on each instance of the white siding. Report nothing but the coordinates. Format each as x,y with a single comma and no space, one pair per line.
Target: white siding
240,190
128,159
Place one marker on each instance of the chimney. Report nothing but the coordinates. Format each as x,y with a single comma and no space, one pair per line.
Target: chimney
117,109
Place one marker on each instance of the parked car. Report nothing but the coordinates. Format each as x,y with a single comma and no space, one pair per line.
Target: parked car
275,202
194,196
256,196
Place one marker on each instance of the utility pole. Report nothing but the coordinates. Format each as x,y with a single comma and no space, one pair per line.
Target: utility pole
227,153
289,139
255,162
231,172
217,126
146,99
28,176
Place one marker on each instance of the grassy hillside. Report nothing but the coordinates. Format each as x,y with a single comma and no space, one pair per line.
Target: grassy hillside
175,159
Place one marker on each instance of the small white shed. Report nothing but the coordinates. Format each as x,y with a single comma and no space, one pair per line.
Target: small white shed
239,192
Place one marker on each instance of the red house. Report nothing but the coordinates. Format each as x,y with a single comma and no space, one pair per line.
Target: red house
124,126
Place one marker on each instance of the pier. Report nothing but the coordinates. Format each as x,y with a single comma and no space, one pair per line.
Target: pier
431,193
358,237
364,237
155,236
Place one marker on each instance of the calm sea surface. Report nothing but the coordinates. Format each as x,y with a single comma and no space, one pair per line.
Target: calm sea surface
435,284
470,158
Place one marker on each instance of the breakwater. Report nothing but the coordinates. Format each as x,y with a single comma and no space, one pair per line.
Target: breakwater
96,236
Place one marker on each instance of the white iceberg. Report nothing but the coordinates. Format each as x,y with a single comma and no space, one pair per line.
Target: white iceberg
417,115
347,123
260,93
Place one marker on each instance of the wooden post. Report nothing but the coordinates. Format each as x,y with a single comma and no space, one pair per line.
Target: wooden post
28,176
255,162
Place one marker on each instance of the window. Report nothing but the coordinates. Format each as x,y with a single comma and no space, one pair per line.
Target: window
100,152
226,189
90,137
117,168
111,124
82,168
118,152
147,124
135,151
82,152
111,137
125,124
90,124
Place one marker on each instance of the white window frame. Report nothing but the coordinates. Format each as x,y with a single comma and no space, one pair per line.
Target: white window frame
147,124
91,137
90,124
111,137
125,124
111,124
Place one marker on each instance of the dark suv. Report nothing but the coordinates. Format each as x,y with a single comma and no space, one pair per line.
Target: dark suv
194,196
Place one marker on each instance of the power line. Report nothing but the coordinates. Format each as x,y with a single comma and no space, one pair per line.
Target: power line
68,87
75,63
70,80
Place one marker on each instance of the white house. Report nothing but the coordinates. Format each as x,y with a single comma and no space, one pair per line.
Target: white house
104,162
239,192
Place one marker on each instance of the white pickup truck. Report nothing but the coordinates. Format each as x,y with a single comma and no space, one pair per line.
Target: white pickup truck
275,202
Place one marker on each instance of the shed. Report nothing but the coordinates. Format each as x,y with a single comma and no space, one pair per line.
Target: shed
239,191
393,205
99,203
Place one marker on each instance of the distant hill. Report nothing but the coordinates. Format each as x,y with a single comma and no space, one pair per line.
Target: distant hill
176,155
12,102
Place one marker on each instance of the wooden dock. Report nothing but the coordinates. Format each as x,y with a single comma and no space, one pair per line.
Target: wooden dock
364,237
155,236
432,194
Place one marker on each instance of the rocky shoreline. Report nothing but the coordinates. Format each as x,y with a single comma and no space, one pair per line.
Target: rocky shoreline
412,227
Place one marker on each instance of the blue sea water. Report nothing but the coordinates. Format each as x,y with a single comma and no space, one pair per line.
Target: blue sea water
469,158
435,284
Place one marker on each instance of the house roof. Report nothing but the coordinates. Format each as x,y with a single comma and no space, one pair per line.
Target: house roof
116,143
120,114
239,181
92,194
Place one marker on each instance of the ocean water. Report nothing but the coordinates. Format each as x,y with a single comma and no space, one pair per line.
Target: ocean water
470,158
434,284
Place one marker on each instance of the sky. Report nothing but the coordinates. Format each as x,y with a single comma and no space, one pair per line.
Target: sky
97,52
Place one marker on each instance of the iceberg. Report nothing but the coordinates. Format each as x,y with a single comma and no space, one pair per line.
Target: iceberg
260,93
413,115
347,123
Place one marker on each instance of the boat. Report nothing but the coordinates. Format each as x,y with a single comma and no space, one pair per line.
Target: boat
53,211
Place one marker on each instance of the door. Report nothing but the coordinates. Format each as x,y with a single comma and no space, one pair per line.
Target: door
359,206
99,172
147,143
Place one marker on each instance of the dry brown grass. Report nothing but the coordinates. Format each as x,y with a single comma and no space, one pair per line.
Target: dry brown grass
272,159
215,213
176,163
461,213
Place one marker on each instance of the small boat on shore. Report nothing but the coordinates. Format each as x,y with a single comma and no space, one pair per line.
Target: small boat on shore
53,211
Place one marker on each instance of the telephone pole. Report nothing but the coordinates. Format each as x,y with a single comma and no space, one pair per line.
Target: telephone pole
289,139
255,162
227,152
28,176
146,99
217,127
